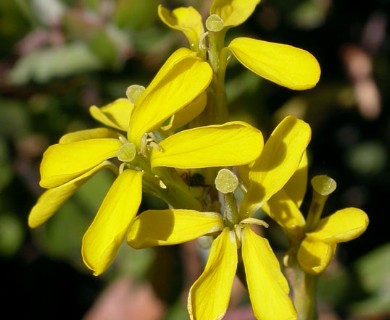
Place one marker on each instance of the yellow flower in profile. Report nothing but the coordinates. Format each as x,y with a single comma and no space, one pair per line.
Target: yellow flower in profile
316,240
282,64
234,239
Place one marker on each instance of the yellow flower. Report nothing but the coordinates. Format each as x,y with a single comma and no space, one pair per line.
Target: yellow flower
234,239
314,245
283,64
67,165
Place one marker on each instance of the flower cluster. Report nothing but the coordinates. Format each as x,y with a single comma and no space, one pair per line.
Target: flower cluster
178,123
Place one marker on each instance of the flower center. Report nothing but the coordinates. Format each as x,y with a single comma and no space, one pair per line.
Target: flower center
239,226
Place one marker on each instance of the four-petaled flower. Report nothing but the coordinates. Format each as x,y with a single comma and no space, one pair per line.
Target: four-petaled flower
77,156
234,239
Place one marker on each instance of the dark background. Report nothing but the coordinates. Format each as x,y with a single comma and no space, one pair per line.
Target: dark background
57,58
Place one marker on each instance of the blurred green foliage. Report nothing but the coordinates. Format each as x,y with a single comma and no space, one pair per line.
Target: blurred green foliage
58,57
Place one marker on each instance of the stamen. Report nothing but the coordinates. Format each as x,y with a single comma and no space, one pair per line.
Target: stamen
258,222
122,139
202,41
161,183
122,167
238,232
155,145
148,141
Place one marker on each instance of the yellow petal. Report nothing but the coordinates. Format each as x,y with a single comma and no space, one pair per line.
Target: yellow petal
64,162
296,187
315,256
175,57
268,288
243,173
49,202
188,113
187,20
115,115
277,163
233,12
229,144
285,65
165,227
97,133
285,212
210,294
108,230
179,85
343,225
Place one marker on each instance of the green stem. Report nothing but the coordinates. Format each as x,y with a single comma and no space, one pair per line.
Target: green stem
176,192
218,61
305,295
216,110
304,287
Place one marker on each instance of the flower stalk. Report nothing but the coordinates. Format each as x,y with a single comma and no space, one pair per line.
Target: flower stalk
304,292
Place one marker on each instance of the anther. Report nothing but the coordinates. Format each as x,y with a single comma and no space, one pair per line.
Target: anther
148,140
202,41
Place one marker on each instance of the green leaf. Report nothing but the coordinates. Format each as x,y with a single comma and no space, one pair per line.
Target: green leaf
374,269
377,305
14,121
45,64
103,46
11,234
374,273
135,14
